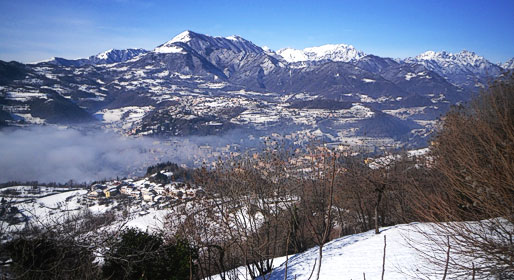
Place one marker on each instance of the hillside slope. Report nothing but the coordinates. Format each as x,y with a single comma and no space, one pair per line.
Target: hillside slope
352,256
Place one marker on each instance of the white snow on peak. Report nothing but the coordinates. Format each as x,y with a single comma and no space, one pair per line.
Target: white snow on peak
235,38
105,54
292,55
463,57
44,60
200,42
509,64
334,52
183,37
171,47
450,65
187,36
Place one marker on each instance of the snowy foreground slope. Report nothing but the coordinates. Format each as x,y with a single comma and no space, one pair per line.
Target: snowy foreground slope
351,256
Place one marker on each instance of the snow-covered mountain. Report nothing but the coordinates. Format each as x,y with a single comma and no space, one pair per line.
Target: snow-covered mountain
337,52
232,56
465,69
106,57
114,56
205,43
509,64
196,84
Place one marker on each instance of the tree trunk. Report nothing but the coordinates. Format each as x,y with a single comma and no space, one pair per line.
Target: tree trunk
376,210
320,258
376,219
384,258
447,259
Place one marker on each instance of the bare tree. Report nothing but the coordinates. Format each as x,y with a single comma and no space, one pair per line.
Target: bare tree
62,248
317,197
473,159
242,217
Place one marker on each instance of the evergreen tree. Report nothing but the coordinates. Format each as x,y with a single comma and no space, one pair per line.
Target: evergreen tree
139,255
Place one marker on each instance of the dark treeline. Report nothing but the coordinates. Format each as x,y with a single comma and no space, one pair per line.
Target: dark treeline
178,173
69,184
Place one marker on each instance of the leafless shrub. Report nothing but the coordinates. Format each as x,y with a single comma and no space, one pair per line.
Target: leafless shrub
473,162
64,248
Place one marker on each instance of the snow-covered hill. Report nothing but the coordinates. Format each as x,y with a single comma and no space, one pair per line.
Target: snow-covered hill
351,256
360,256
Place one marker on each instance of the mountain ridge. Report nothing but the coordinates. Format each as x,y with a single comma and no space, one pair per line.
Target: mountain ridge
509,64
465,68
200,84
105,57
334,52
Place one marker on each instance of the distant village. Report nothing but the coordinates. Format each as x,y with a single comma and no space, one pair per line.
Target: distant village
209,155
147,191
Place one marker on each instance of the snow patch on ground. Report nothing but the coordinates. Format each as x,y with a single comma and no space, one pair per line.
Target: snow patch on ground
31,119
409,75
129,114
361,111
24,96
368,80
170,49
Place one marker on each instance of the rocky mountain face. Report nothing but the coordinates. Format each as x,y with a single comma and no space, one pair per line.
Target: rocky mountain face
196,84
465,69
109,56
339,52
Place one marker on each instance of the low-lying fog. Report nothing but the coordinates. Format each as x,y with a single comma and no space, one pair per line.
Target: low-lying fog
52,154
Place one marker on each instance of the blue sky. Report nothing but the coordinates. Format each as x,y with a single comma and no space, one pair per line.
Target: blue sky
39,29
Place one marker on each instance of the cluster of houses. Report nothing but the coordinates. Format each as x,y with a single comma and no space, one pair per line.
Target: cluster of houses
146,191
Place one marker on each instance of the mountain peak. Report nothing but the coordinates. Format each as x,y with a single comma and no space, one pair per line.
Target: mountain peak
188,35
171,46
334,52
466,52
509,64
115,55
199,42
235,38
460,68
431,55
106,57
105,54
466,55
183,37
